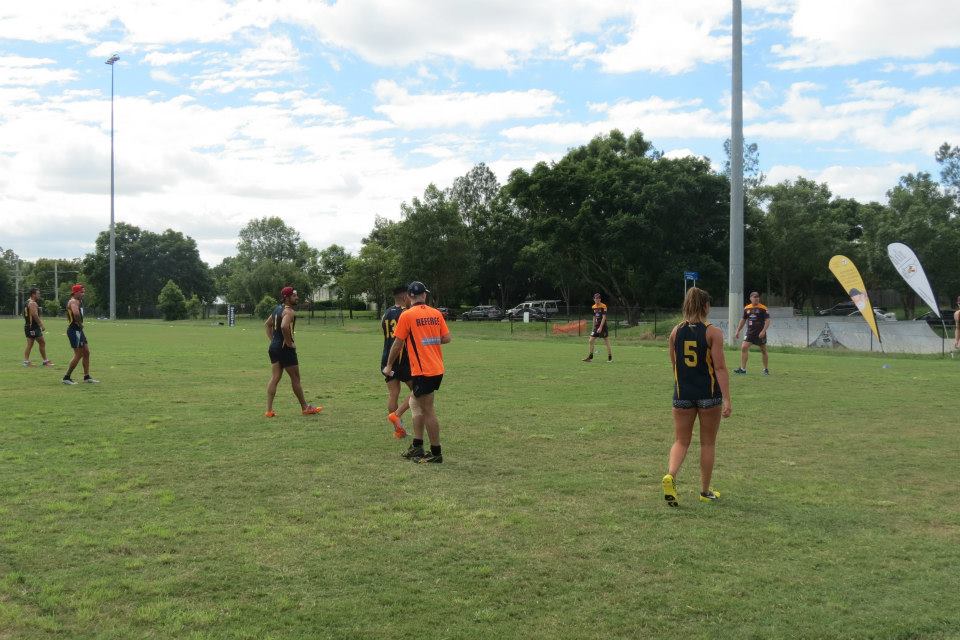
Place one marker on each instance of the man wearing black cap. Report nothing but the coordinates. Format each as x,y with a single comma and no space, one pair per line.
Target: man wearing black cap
283,352
33,328
419,333
77,337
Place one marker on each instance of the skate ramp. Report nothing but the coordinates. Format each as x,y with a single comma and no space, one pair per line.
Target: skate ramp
898,337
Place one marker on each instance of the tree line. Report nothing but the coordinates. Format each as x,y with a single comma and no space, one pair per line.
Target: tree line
614,215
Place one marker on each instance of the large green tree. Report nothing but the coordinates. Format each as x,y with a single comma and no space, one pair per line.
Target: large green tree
435,246
270,255
144,262
628,220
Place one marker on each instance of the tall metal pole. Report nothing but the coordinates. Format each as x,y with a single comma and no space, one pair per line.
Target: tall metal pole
113,235
736,177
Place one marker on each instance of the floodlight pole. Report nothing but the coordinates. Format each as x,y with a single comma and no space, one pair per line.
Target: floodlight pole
735,287
113,234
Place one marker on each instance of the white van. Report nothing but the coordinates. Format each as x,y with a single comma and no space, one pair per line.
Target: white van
545,307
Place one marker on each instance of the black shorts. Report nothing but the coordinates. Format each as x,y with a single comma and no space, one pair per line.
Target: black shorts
33,332
704,403
757,340
425,385
401,370
76,337
599,333
286,356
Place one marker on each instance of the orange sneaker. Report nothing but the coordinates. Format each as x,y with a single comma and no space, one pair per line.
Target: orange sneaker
270,414
395,419
311,410
399,433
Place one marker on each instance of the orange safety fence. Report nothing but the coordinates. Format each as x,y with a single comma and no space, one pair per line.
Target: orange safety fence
577,326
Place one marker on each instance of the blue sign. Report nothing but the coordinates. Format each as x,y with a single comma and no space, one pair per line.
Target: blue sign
691,275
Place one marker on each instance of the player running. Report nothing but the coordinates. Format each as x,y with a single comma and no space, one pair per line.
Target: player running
599,328
283,351
701,388
401,369
33,328
757,319
420,331
77,337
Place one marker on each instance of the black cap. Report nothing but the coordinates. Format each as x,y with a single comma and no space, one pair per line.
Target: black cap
416,287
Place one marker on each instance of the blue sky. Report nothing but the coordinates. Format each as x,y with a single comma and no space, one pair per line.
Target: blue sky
331,113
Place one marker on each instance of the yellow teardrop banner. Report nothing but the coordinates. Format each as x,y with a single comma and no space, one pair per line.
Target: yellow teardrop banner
851,281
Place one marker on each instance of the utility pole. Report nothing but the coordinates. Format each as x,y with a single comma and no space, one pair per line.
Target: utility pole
113,235
16,289
735,288
56,283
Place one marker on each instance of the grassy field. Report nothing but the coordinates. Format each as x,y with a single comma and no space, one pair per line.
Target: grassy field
161,504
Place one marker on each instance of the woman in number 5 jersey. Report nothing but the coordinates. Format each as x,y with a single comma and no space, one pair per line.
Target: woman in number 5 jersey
701,388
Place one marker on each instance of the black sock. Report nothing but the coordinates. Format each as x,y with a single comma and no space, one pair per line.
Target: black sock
609,356
86,376
418,442
66,377
435,449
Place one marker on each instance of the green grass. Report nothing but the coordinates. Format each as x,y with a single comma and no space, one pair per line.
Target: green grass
160,504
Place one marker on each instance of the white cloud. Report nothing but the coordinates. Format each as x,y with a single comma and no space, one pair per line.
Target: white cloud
862,183
459,109
161,59
255,67
19,71
922,69
671,37
829,33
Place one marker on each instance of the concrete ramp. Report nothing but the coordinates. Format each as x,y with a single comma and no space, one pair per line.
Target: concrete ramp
898,337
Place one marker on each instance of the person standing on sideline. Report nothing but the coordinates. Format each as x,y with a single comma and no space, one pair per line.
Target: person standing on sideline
77,337
599,328
956,324
283,352
757,319
420,331
401,369
33,328
701,389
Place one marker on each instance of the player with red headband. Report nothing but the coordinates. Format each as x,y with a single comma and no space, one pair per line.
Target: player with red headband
283,351
77,337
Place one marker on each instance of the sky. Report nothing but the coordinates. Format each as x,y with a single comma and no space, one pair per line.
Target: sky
329,114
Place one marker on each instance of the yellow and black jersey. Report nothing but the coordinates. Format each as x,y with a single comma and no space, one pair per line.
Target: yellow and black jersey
755,316
75,321
599,313
693,374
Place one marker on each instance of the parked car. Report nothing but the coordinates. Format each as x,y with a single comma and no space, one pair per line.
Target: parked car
445,312
931,318
839,309
542,307
879,313
483,312
536,314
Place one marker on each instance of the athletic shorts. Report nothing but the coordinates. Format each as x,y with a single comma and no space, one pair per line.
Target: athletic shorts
599,333
757,340
425,385
286,356
76,337
33,332
401,370
705,403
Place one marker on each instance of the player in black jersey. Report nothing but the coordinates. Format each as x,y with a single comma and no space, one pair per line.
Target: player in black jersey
600,328
701,388
401,368
283,351
77,337
33,328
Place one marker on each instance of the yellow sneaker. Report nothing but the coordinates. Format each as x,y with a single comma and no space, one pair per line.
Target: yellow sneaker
710,496
670,491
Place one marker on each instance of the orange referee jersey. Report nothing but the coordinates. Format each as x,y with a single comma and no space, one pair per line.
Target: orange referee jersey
421,328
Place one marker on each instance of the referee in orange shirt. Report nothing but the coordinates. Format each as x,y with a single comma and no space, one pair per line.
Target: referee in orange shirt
421,330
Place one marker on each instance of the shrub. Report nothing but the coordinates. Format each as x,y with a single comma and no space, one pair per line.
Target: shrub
171,302
265,307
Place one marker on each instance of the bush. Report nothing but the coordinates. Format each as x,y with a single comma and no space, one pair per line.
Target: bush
265,307
51,308
171,302
194,307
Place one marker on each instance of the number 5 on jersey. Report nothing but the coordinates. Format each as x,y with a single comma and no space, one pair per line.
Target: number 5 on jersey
690,353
